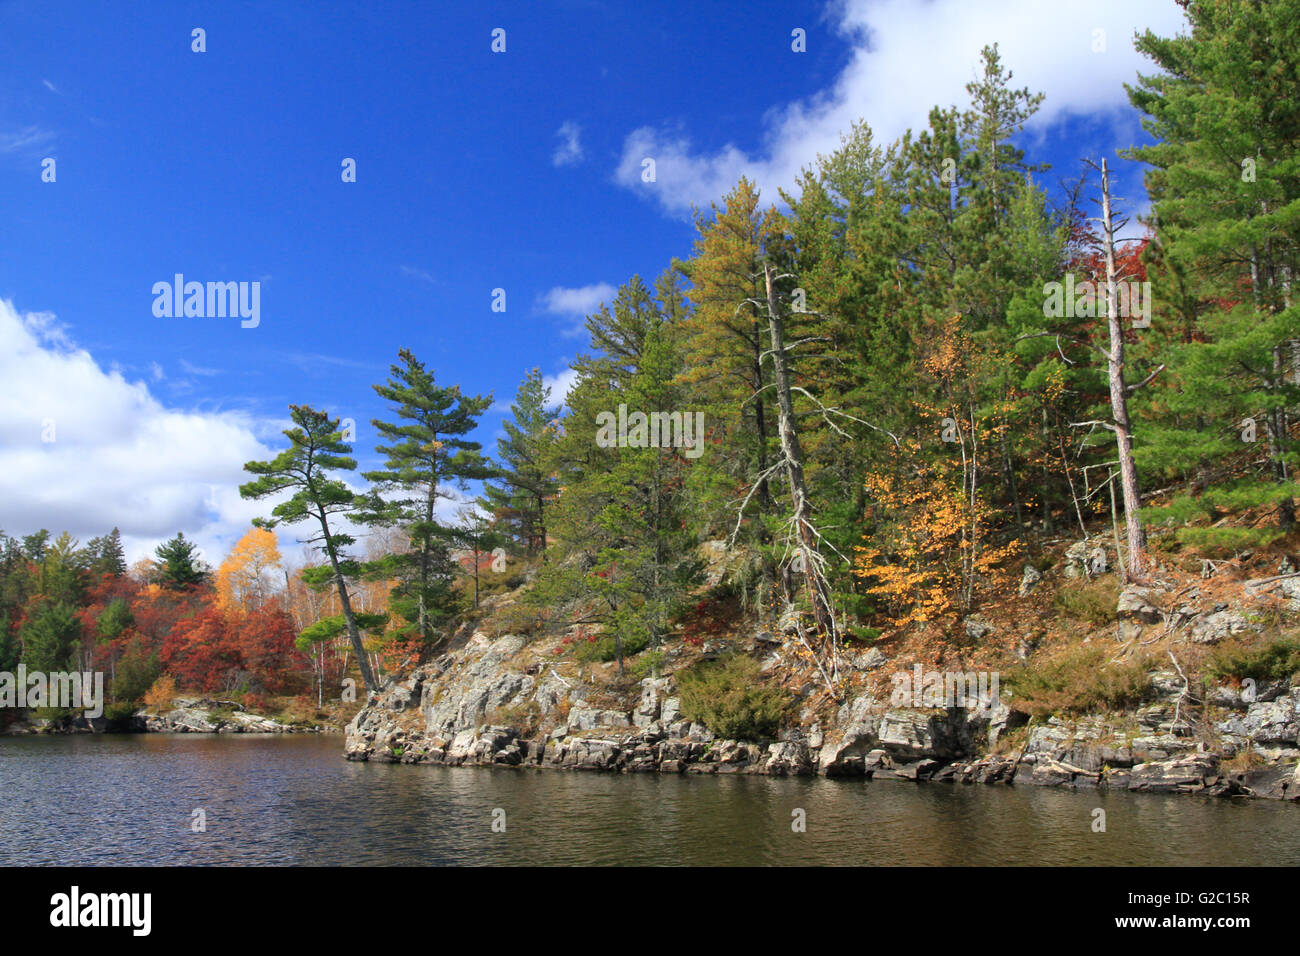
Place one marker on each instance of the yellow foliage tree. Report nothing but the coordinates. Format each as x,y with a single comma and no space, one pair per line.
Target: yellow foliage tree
925,559
245,579
159,697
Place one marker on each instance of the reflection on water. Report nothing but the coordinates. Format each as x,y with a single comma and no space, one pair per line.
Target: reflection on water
294,800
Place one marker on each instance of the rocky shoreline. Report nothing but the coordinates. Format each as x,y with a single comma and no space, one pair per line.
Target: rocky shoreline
443,713
198,715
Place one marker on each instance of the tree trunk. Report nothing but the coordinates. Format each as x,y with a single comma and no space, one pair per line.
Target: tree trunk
1118,395
354,635
794,465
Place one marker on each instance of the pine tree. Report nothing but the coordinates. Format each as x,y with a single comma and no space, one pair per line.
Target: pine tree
51,638
9,649
725,337
316,449
523,485
427,453
106,554
620,522
179,565
1225,189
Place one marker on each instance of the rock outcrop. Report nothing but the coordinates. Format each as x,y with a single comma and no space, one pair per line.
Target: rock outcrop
499,702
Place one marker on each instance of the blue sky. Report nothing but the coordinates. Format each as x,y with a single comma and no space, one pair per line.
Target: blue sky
475,171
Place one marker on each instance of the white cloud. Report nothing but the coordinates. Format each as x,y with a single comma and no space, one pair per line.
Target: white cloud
569,152
119,456
424,275
560,385
193,369
28,139
908,57
577,303
581,301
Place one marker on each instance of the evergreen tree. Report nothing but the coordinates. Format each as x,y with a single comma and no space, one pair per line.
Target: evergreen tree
1225,192
523,485
316,449
9,649
179,565
620,522
724,340
426,453
51,638
106,555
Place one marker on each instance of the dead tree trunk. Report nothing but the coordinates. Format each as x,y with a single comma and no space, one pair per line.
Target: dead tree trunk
1119,393
789,437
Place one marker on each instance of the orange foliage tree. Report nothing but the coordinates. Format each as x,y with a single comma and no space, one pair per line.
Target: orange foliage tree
245,579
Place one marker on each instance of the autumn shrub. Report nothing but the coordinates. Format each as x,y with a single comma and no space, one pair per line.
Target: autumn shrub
1274,659
1092,601
1080,680
159,697
265,641
731,698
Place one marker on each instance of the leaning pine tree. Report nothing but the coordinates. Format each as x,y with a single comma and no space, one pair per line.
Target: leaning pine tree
316,448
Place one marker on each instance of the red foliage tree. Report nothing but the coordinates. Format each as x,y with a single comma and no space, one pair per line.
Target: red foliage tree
265,638
201,652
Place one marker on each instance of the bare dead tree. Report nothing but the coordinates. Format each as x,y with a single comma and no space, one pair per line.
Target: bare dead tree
1119,393
792,454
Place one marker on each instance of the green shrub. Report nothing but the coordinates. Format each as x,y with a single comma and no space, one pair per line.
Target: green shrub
603,647
122,710
1225,541
730,697
1092,601
523,618
863,634
646,664
55,714
1080,681
1269,660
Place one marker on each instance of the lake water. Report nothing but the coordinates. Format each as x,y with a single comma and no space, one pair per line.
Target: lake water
122,800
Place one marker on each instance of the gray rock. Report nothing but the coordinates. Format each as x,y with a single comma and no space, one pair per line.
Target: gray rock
1029,580
845,747
977,627
1076,560
1184,774
786,758
583,719
1215,627
647,708
1136,610
868,660
915,734
1266,722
